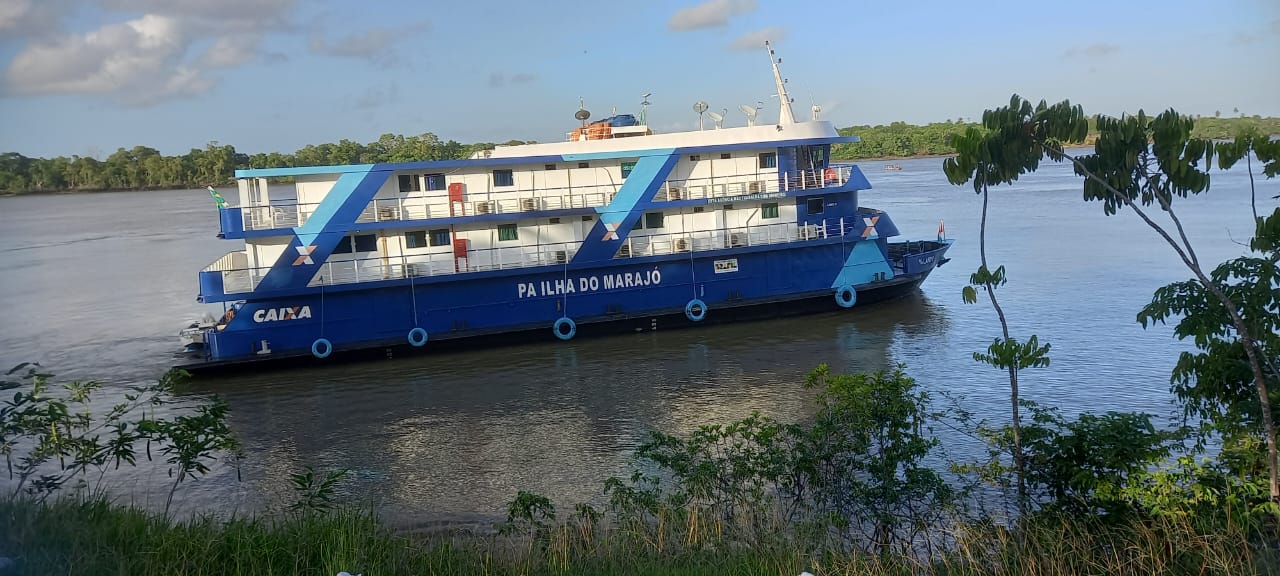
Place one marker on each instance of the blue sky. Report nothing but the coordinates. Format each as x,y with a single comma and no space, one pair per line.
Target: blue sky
88,76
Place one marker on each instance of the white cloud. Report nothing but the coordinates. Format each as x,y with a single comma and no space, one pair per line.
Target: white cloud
1092,51
376,44
140,61
755,40
30,17
711,14
232,50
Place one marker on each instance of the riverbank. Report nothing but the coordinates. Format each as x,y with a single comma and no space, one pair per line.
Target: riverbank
98,538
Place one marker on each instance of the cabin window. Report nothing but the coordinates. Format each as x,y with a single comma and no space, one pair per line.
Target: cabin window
440,237
409,183
697,209
415,239
726,156
549,166
553,221
768,160
694,157
769,210
588,218
627,167
653,220
366,243
503,178
815,205
435,182
508,232
584,165
360,243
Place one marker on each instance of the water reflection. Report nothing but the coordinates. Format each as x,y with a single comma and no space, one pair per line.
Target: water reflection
450,436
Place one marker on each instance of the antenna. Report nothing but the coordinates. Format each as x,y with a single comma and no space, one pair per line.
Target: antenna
644,108
785,115
700,107
750,112
718,118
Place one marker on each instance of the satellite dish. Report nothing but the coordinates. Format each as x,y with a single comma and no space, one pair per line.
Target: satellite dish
582,113
718,118
700,107
750,112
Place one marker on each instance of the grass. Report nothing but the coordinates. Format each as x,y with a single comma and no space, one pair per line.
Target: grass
78,537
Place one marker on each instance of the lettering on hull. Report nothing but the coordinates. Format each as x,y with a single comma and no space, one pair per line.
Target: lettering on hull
278,314
588,284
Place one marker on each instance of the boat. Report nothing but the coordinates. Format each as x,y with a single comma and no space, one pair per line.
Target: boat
893,167
616,229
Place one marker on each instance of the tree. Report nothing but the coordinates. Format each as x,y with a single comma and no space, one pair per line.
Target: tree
1138,162
985,159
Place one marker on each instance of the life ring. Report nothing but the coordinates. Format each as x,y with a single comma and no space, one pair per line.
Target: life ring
417,337
829,175
321,348
699,306
846,296
559,326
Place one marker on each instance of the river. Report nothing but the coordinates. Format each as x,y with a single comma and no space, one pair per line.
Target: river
97,285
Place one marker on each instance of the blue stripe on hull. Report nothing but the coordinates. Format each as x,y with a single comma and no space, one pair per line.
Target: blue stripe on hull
535,298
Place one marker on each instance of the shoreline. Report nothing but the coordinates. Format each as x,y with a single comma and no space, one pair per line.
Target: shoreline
4,194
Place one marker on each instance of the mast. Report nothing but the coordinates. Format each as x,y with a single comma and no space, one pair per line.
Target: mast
785,116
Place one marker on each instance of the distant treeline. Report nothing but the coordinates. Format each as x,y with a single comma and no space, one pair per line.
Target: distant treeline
145,168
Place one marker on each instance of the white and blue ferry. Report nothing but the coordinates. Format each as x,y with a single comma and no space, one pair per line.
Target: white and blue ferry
616,229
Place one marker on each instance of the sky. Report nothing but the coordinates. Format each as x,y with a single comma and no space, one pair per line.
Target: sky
85,77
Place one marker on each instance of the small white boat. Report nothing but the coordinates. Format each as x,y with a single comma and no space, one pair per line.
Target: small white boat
192,337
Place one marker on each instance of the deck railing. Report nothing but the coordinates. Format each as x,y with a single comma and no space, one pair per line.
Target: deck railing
244,279
423,207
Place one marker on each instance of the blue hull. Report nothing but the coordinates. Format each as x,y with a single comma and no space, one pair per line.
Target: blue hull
396,317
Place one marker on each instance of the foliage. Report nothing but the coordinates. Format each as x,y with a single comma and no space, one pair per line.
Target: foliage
315,492
93,537
1085,467
50,440
856,473
1139,162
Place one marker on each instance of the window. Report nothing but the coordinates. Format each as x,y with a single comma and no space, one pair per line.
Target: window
409,183
588,218
435,182
768,160
695,157
415,239
726,156
627,167
584,165
366,243
653,220
697,209
549,166
440,237
361,243
769,210
503,178
553,221
507,233
815,205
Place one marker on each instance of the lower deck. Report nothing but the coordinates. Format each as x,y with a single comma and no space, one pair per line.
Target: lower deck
696,285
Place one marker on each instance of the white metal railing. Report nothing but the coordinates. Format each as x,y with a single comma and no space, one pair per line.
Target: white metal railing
230,261
244,279
439,206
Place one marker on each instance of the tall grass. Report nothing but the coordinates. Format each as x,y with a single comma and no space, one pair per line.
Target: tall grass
77,537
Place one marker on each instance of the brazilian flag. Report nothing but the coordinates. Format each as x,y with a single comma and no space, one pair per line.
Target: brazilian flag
222,202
